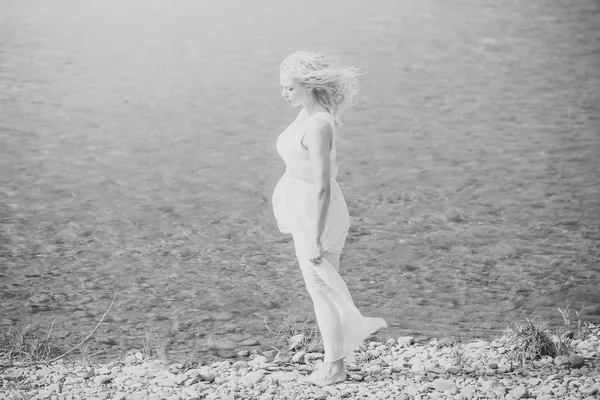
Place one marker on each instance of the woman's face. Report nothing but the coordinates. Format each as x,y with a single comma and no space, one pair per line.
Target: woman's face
293,92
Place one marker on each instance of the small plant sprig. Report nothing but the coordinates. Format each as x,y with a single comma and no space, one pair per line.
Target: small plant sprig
582,328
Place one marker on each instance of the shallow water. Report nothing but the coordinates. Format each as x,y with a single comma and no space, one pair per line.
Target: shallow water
137,157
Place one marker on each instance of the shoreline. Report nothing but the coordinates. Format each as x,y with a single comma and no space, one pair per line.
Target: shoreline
401,368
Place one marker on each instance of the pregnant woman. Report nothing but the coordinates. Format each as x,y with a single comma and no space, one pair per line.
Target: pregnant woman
308,202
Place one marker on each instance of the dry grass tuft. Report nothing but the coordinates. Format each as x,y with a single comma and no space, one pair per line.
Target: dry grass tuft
311,343
532,340
25,346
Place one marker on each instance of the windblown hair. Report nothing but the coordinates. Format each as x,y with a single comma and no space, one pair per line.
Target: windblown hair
335,87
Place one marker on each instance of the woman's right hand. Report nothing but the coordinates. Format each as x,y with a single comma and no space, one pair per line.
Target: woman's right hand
315,253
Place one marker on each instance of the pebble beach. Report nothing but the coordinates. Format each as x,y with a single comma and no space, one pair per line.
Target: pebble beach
399,369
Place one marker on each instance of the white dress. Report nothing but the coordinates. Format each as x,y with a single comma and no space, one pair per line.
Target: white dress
341,324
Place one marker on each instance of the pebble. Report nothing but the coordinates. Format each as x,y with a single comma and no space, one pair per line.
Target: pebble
561,360
404,341
398,369
576,360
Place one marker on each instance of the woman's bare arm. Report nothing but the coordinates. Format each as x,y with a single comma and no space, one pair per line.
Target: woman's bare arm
318,139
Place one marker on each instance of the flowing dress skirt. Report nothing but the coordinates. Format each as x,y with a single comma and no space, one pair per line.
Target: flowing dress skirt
341,324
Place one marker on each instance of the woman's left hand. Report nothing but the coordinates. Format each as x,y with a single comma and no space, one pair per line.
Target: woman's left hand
315,252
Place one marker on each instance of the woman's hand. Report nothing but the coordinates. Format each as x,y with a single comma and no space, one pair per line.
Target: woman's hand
315,252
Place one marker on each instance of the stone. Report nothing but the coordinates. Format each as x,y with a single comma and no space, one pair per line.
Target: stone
356,377
189,393
239,364
444,385
453,370
130,359
404,341
492,365
106,340
258,360
252,378
206,374
299,356
319,394
102,379
490,386
390,342
519,392
534,381
588,390
55,388
136,370
374,370
576,360
295,341
269,353
102,371
281,358
561,360
181,378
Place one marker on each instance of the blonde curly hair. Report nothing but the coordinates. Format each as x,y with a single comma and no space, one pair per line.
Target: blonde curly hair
336,88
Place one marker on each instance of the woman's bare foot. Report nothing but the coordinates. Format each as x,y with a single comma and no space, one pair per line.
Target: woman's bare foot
328,373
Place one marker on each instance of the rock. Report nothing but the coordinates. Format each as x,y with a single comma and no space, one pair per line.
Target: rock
374,370
453,370
561,360
519,392
434,370
490,386
492,365
404,341
281,358
243,353
319,394
356,377
534,381
444,385
299,357
181,378
206,374
106,340
102,371
55,388
588,390
138,371
189,393
239,365
295,341
252,378
390,342
102,379
130,359
269,353
576,360
258,360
